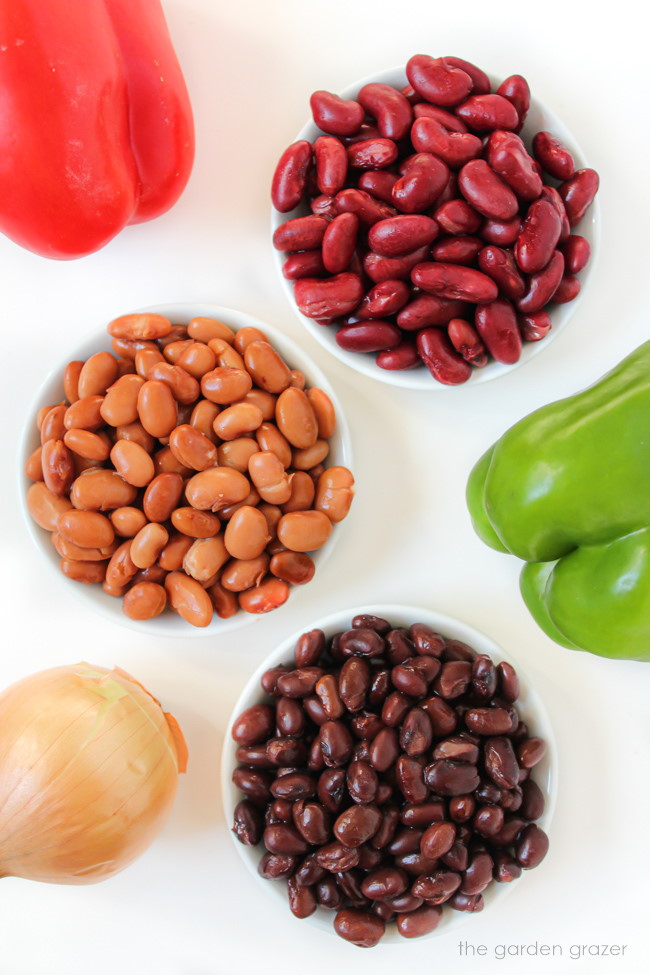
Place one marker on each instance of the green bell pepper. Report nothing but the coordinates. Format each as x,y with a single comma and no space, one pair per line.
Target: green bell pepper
567,489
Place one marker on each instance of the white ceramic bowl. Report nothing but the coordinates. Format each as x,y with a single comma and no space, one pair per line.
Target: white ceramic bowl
539,118
51,391
529,705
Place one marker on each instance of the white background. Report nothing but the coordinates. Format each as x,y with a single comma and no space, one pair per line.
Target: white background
188,907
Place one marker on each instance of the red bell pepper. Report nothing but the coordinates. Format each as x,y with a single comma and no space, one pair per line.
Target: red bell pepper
96,127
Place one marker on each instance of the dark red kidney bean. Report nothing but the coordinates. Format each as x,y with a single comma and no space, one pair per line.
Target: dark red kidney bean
300,682
449,191
576,252
383,299
467,342
388,107
408,679
480,81
360,927
437,80
300,234
309,648
423,814
406,841
366,725
457,250
421,184
331,161
551,194
426,310
543,285
442,716
410,779
535,327
336,857
416,734
553,156
384,882
578,192
284,840
457,858
485,113
402,234
500,265
327,690
488,721
451,122
454,679
323,205
269,680
516,90
530,752
312,822
365,133
291,176
531,846
362,782
275,867
254,783
339,242
506,868
457,217
508,682
437,888
380,268
509,832
486,191
378,183
458,749
484,677
328,894
372,154
254,756
462,808
478,874
329,298
454,148
395,708
567,290
254,725
368,336
354,683
532,802
357,825
501,232
418,921
538,238
497,325
448,778
438,354
296,785
488,820
302,900
336,743
331,788
506,154
335,115
455,282
471,903
425,640
306,264
367,208
289,717
386,831
248,823
384,749
313,707
438,839
363,641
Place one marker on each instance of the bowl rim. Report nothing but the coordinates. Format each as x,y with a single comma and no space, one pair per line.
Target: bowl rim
420,378
529,704
170,624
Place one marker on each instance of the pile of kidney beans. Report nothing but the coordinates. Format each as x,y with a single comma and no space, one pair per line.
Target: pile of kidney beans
434,236
387,774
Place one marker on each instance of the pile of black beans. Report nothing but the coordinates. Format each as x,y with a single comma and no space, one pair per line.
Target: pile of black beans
388,774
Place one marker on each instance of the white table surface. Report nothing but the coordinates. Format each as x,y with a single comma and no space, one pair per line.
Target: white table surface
188,907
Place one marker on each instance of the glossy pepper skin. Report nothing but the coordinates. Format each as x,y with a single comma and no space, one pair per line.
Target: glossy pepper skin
567,489
96,127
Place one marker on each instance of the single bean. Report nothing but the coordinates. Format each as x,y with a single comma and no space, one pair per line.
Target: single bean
543,285
329,298
290,176
497,325
433,345
453,147
438,81
438,887
486,191
485,113
448,778
132,462
144,601
86,572
360,927
357,825
188,598
516,90
58,467
239,575
531,846
421,184
216,488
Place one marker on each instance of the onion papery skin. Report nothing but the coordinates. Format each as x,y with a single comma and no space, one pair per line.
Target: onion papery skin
89,767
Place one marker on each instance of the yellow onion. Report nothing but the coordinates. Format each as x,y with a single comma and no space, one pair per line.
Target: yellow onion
89,767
